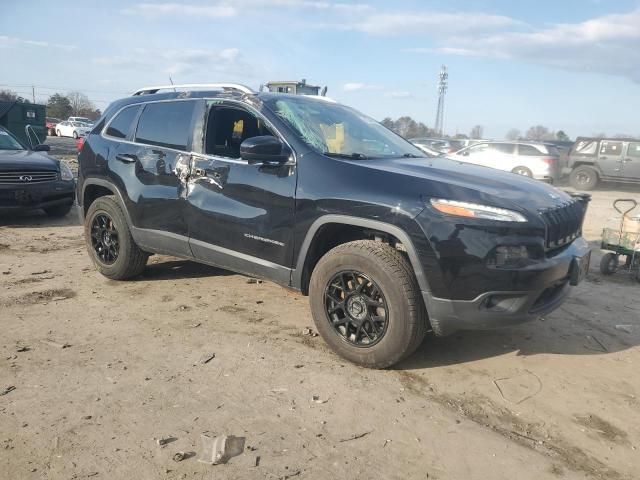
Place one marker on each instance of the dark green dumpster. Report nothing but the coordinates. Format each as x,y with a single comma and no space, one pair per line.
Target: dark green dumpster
15,116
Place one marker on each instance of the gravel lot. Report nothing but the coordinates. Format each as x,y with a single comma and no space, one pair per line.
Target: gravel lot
103,369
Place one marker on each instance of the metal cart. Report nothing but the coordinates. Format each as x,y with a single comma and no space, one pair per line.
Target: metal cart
621,243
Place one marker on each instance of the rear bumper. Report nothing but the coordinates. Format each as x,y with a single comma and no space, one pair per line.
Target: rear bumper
495,309
37,196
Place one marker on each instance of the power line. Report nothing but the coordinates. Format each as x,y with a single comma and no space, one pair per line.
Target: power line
63,89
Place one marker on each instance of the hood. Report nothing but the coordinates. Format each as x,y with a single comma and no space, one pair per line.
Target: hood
26,161
450,179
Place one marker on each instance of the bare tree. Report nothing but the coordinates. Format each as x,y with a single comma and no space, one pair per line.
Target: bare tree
540,132
513,134
476,132
80,104
11,96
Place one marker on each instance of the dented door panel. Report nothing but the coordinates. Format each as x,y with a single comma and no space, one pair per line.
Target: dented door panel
240,207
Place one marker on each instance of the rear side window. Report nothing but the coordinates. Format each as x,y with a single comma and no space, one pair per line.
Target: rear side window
166,124
585,147
121,124
504,147
634,150
611,148
529,150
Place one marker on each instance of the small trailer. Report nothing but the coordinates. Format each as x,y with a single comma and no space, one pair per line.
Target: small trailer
622,242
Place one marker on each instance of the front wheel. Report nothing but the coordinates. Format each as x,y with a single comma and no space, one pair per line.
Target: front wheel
58,133
609,263
75,134
584,178
109,241
366,303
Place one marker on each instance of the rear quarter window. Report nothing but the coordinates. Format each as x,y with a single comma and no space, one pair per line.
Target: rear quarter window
585,147
166,124
120,126
529,150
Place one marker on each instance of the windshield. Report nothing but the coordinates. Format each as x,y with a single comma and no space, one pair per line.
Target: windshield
336,130
7,142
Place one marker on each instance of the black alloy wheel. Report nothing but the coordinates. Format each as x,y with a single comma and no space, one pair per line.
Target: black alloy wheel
105,239
356,308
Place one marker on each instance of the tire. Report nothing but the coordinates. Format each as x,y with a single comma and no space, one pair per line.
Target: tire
58,133
130,260
58,211
75,134
385,268
609,263
51,132
524,171
584,178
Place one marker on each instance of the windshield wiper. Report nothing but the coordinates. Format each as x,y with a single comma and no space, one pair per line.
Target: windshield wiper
351,156
412,155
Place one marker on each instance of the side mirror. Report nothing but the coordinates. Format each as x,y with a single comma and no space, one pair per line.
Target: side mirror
265,149
41,148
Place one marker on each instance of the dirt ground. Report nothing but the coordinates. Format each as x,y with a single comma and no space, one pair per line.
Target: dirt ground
102,369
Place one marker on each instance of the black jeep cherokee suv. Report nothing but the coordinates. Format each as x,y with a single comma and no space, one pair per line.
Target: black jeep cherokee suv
315,196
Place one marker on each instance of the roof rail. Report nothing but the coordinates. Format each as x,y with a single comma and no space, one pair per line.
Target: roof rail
218,86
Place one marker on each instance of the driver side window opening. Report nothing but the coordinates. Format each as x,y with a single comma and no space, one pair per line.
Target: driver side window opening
227,127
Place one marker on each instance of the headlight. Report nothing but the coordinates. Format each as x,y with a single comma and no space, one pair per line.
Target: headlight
472,210
65,172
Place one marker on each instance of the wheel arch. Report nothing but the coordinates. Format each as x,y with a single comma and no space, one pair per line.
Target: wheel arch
315,245
94,188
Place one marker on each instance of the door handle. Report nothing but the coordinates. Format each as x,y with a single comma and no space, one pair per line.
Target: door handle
126,157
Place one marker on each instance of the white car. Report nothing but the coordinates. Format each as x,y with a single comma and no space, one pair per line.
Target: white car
72,129
531,159
80,119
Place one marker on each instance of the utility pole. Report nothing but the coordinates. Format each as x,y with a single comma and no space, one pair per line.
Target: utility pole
443,79
33,93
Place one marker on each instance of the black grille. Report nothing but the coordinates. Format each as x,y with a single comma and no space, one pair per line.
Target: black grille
564,223
27,178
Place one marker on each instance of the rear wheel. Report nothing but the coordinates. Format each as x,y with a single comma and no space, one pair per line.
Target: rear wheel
584,178
109,241
366,303
522,171
58,211
609,263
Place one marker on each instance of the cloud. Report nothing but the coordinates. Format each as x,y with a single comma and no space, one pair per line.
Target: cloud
356,86
229,8
6,42
428,23
608,44
178,9
227,61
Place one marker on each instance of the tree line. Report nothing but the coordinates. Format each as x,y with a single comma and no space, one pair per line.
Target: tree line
62,106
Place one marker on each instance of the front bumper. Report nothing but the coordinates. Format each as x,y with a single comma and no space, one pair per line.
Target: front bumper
40,195
549,287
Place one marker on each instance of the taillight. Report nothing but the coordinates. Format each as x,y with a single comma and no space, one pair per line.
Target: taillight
550,160
79,143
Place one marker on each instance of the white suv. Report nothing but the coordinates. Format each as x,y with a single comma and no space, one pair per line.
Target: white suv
532,159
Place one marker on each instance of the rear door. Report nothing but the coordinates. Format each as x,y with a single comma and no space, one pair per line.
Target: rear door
610,159
631,167
240,215
502,156
153,163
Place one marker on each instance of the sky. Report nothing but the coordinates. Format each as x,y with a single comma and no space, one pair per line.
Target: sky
566,64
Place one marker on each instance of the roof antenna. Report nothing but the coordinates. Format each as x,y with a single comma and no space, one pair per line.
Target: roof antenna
171,80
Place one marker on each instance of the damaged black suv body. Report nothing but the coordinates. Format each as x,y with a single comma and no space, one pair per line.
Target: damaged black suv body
312,195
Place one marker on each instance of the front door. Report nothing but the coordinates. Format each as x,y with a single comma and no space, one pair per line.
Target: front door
610,158
240,216
631,167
